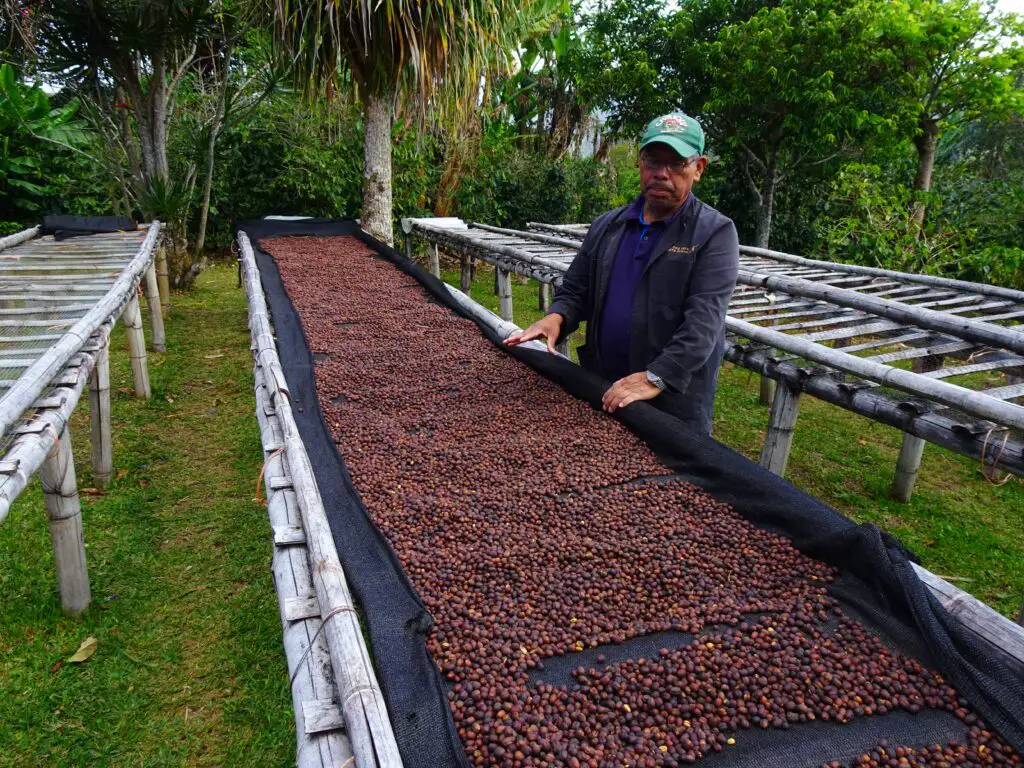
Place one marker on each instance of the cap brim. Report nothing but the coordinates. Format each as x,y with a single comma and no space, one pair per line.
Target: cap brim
683,148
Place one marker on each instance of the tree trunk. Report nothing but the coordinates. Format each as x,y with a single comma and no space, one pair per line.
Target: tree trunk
926,142
763,233
376,215
211,147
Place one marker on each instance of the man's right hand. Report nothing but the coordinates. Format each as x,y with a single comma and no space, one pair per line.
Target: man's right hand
547,327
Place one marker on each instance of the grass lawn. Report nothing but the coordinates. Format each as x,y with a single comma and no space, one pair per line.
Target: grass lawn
189,667
962,526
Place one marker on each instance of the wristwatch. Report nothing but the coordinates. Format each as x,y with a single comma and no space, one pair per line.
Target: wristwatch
656,380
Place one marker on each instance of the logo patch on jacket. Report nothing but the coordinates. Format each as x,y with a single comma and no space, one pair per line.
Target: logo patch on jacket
682,249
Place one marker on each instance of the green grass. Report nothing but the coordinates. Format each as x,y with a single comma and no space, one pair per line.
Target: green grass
961,525
189,668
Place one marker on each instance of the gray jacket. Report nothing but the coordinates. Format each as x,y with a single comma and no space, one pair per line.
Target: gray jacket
678,326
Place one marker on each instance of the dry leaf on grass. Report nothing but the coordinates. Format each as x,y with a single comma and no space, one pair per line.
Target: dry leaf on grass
85,651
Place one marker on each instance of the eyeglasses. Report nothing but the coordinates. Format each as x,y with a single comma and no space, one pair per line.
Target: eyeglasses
675,166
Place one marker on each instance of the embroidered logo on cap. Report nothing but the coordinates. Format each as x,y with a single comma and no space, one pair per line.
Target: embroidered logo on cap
673,123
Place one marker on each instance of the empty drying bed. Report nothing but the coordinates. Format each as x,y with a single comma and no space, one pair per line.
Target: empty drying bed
590,606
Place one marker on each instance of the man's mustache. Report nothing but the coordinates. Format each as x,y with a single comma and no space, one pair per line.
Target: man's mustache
661,187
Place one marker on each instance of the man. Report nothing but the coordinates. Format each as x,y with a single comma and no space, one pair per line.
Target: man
653,281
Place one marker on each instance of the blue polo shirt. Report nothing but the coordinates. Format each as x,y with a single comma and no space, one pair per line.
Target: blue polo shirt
638,241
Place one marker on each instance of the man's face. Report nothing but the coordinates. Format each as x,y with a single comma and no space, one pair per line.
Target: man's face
666,177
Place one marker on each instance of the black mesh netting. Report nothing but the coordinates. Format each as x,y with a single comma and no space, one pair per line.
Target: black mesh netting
876,583
63,227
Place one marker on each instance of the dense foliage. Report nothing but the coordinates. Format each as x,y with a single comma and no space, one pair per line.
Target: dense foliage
876,132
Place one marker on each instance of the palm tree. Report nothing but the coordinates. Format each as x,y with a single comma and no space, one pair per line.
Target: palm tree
421,54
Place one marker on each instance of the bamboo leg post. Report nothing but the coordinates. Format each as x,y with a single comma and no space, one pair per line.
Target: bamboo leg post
163,281
562,347
926,364
544,297
159,341
907,466
137,347
64,510
465,275
779,439
408,248
767,389
504,278
99,416
434,261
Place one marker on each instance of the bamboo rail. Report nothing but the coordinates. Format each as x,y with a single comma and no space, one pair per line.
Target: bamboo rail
18,238
32,382
361,702
305,645
909,314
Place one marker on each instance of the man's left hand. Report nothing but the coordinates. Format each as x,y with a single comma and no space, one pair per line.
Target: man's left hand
628,390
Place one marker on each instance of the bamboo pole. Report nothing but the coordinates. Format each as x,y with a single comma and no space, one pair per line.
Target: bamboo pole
137,347
18,238
975,403
32,382
962,328
580,230
907,465
57,476
909,277
779,439
362,704
35,440
99,418
504,293
861,398
310,671
434,261
544,297
163,281
564,242
159,342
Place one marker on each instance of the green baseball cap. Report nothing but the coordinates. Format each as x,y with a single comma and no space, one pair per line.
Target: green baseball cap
679,131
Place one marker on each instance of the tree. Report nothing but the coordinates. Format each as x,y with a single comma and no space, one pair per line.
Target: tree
131,58
793,86
414,53
959,61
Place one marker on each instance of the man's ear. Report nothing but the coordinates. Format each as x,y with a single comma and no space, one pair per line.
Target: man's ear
702,163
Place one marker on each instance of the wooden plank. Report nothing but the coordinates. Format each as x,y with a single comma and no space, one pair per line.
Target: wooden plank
302,607
322,715
289,535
